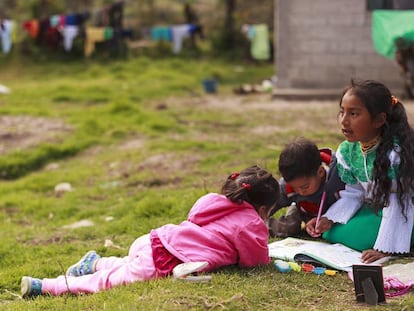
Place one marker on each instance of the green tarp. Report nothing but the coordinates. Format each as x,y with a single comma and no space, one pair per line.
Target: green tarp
388,25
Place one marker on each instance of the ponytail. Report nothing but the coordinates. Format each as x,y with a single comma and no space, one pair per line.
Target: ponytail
253,185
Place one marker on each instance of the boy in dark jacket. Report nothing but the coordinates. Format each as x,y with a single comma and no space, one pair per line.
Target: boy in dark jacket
307,172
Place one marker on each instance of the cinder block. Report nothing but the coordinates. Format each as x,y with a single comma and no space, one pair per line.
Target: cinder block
326,42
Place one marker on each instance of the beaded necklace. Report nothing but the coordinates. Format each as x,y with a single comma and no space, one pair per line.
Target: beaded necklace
369,145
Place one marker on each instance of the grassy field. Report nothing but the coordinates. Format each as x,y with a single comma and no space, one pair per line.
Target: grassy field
139,142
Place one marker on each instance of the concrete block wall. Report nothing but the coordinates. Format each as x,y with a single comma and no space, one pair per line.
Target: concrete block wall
324,43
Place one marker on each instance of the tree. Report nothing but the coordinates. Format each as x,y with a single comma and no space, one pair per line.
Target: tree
228,39
229,16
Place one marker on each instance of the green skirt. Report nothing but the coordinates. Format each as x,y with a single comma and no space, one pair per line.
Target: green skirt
360,232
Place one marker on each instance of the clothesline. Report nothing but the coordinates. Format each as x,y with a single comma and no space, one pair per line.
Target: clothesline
174,33
70,26
62,29
51,30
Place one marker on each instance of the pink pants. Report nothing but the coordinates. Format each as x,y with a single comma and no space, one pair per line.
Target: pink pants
110,272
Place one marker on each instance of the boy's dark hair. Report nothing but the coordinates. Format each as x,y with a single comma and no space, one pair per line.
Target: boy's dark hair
377,98
300,158
253,185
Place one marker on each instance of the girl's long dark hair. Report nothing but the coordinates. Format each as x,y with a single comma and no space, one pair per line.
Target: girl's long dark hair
378,99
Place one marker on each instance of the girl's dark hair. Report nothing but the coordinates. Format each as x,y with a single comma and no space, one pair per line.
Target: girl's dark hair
253,185
377,98
300,158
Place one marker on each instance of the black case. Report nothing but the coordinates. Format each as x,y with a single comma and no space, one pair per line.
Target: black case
369,284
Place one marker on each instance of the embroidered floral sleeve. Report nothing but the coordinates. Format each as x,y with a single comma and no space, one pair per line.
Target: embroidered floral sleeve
351,198
343,155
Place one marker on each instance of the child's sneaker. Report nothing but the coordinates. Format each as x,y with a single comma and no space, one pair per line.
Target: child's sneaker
184,270
31,287
84,266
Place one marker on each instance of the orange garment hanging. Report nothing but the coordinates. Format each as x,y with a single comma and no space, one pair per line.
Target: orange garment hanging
32,27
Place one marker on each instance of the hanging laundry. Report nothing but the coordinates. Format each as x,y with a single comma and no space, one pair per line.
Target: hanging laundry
108,33
6,29
62,21
44,25
96,34
258,36
53,38
179,33
161,33
57,29
54,20
48,36
196,29
57,21
70,27
32,27
72,20
260,45
69,33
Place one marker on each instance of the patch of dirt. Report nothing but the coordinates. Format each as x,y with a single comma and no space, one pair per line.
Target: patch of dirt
57,238
21,132
304,113
135,143
163,170
168,162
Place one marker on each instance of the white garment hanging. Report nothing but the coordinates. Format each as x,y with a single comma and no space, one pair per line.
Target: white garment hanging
6,35
179,33
69,33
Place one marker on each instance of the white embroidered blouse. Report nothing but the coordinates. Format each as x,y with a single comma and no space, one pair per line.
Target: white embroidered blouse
355,169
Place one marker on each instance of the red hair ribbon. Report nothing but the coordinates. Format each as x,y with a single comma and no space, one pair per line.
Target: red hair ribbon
248,187
234,175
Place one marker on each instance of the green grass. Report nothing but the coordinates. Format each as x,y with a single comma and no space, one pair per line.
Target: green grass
142,143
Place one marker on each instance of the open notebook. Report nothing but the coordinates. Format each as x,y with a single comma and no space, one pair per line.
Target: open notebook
336,256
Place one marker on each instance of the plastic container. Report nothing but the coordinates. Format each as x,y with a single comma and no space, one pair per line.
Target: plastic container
319,270
210,86
282,266
307,267
294,266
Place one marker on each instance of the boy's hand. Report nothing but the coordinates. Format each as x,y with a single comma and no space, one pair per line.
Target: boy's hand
324,225
371,255
310,228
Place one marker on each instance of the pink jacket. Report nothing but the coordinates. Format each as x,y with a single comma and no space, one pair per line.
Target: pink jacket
220,232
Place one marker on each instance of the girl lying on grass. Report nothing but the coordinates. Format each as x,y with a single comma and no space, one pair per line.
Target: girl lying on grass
221,229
